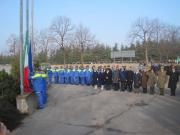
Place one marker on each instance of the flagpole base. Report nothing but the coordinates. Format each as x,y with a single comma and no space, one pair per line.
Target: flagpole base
26,103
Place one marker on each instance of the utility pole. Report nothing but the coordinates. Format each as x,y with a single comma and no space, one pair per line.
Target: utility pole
21,48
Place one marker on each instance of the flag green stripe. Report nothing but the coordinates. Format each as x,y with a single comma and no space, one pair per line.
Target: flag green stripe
26,43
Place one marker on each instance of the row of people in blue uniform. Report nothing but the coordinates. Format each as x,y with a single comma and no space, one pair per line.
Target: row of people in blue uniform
70,75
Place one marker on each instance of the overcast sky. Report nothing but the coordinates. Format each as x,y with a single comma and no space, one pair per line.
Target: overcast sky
109,20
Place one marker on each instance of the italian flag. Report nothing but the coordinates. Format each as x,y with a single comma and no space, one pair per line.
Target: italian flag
27,65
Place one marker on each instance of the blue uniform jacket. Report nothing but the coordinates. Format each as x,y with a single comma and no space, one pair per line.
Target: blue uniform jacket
122,75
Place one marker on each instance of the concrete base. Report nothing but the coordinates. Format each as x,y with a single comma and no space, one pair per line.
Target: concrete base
26,103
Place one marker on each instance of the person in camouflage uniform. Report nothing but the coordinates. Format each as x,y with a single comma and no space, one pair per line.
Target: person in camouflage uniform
162,78
152,80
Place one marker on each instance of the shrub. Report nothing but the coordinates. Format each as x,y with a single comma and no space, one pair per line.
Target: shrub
9,87
15,71
9,115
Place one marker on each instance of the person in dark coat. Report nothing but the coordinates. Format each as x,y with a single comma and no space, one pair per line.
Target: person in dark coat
108,78
94,77
137,80
173,80
122,77
129,78
115,78
102,78
99,77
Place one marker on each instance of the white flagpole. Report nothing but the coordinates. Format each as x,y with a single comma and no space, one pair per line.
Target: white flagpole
27,16
32,25
21,48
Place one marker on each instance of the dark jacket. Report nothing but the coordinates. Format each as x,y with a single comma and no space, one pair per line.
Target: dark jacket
173,79
129,75
137,80
122,75
115,76
108,76
94,77
100,78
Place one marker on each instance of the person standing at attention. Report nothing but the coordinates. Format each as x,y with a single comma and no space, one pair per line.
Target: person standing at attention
173,80
162,78
144,80
152,79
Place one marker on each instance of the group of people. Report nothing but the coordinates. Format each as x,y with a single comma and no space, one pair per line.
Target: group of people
70,75
117,78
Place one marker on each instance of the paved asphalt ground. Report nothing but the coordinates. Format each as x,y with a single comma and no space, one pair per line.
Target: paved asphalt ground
81,110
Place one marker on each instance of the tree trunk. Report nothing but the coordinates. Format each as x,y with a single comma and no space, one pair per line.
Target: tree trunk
46,57
146,53
64,51
82,57
64,54
160,56
160,53
82,54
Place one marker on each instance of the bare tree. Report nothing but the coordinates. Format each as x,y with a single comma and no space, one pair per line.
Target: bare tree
61,28
83,39
143,30
13,43
172,33
159,31
171,36
35,47
44,41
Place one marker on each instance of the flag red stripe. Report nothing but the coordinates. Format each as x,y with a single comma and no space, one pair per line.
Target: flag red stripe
27,88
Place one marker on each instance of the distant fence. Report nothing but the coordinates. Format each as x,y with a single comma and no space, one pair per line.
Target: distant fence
122,54
103,64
